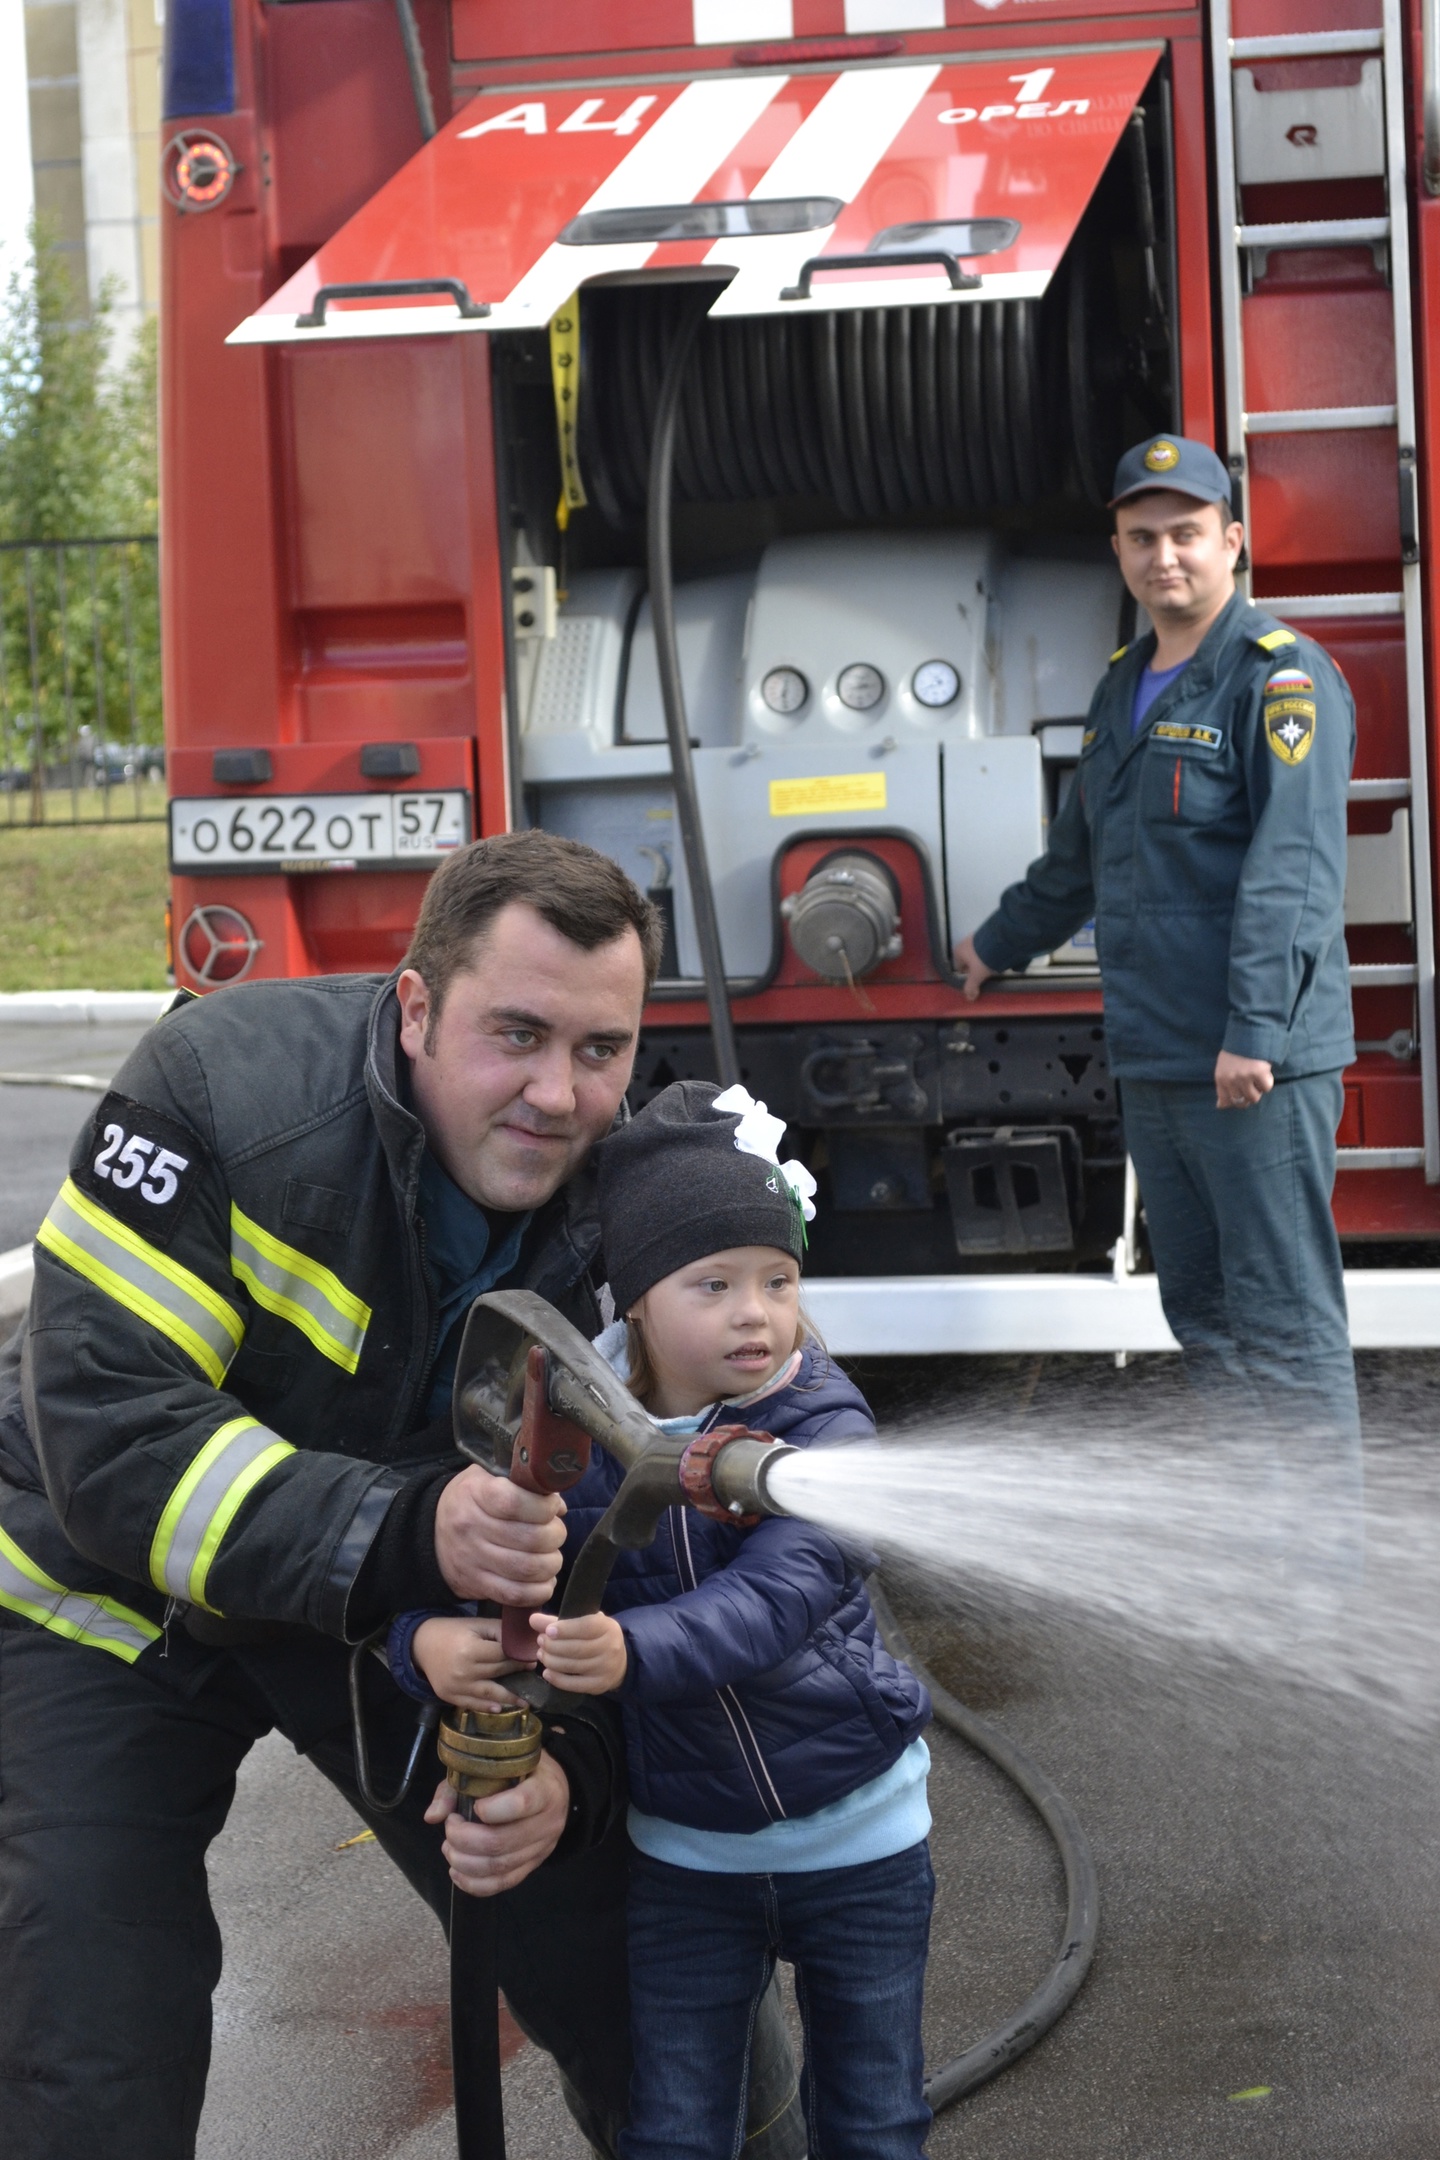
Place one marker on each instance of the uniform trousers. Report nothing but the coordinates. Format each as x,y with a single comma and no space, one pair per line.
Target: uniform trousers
1237,1203
112,1786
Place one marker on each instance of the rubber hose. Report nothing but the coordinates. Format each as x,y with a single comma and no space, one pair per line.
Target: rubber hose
1030,2023
672,698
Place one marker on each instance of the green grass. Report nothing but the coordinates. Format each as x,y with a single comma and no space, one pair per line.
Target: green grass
82,907
63,806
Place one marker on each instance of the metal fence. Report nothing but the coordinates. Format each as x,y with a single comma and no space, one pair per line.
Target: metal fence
81,740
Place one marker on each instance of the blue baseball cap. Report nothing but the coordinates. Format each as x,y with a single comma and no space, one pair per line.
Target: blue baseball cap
1174,462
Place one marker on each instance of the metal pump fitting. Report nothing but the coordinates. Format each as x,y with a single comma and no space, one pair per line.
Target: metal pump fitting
485,1750
846,917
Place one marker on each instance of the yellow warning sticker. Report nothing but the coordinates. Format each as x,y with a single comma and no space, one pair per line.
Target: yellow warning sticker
827,794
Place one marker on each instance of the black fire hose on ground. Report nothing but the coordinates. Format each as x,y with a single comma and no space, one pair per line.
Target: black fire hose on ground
1030,2023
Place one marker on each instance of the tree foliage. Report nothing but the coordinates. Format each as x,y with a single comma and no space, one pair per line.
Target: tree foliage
79,626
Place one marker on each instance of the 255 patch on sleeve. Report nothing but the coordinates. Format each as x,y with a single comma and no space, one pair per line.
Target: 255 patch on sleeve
142,1166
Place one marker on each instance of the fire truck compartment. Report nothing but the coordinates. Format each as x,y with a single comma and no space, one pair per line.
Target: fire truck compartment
849,682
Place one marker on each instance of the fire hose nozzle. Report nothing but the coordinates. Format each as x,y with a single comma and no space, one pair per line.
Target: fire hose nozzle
725,1474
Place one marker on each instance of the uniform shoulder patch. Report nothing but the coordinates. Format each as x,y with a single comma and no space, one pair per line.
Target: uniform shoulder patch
1119,655
141,1166
1274,640
1289,716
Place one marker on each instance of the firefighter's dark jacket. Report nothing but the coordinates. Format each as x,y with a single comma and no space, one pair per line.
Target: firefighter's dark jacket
218,1400
1210,850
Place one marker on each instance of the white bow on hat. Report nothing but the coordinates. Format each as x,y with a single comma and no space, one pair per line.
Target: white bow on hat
758,1133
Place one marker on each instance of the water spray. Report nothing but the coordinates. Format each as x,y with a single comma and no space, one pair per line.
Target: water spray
531,1396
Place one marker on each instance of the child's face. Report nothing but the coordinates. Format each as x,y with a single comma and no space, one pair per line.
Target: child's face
720,1327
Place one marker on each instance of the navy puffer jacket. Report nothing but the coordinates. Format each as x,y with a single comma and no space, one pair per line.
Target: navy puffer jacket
757,1686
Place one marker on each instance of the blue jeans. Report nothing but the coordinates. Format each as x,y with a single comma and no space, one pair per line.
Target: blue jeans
702,1952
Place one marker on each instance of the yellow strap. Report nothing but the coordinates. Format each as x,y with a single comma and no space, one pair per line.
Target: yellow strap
1274,639
1119,655
565,378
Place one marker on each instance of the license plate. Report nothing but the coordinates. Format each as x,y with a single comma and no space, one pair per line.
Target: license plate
287,833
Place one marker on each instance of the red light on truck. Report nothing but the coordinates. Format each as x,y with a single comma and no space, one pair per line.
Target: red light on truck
198,170
218,945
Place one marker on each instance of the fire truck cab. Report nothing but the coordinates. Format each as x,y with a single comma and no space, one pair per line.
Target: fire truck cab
427,265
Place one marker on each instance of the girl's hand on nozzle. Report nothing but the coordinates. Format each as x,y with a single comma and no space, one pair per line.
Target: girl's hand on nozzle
587,1656
462,1660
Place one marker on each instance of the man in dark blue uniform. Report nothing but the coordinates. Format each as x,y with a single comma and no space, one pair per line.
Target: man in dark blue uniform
1205,833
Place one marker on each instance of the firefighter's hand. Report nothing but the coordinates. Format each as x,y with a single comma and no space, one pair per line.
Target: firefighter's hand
972,967
463,1661
586,1656
1240,1082
512,1833
493,1540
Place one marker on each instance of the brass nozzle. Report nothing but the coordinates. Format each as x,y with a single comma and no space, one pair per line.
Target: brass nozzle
484,1751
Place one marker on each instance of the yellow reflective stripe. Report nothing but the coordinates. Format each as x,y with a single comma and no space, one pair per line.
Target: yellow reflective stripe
146,1281
1274,639
203,1505
101,1622
298,1289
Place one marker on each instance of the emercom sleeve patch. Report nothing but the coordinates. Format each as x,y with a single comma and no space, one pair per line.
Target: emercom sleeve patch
142,1166
1289,716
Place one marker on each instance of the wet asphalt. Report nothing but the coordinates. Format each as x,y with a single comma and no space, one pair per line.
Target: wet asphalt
1268,1976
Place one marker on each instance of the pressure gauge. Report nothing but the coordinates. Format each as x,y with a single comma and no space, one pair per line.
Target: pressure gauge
860,687
784,689
935,683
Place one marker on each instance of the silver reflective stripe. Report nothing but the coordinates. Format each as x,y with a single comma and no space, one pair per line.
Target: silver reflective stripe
290,1284
204,1504
80,1615
146,1281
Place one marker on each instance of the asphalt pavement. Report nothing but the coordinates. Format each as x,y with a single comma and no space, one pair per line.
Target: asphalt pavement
1269,1861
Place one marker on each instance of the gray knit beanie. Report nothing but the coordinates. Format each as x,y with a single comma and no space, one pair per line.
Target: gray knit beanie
674,1186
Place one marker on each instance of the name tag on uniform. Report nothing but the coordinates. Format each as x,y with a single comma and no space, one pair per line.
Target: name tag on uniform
1204,738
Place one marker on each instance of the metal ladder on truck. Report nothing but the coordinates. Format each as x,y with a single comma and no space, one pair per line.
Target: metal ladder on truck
1237,246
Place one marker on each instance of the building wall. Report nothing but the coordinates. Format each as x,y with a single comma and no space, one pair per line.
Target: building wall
52,62
94,68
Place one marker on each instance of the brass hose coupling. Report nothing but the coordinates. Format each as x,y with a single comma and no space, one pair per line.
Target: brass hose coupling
485,1750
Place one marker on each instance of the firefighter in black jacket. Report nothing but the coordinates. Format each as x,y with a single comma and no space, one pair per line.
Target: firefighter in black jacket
225,1455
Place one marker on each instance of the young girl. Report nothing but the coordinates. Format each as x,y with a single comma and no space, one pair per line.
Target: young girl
776,1766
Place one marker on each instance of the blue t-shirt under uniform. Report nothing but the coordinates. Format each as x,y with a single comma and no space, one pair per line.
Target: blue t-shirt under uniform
1152,683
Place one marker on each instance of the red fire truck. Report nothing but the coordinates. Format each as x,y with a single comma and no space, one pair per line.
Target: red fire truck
685,425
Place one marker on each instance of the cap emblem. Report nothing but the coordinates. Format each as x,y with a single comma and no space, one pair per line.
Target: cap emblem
1161,457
